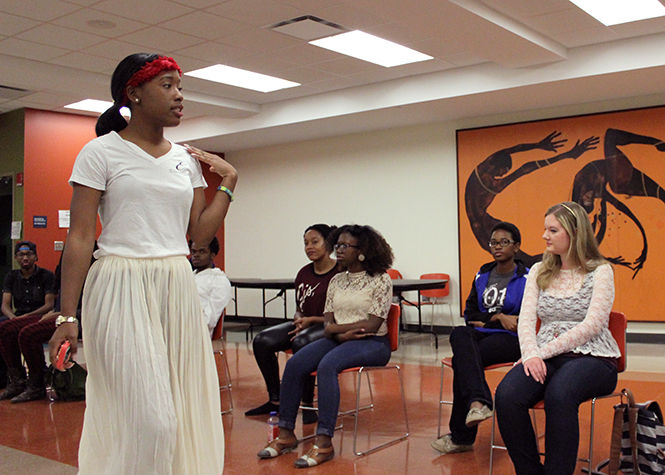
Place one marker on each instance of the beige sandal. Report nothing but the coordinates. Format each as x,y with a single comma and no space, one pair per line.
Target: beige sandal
316,456
276,448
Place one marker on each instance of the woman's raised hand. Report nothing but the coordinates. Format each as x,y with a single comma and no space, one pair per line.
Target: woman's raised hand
217,164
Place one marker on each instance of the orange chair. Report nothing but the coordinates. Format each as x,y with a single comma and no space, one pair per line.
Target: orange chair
394,274
393,336
617,325
218,347
434,297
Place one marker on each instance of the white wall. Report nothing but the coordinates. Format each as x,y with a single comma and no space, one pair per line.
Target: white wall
401,181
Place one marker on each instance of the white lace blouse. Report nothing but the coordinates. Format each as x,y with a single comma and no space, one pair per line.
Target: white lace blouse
354,296
574,313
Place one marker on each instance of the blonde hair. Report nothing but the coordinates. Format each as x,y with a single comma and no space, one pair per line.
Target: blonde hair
583,251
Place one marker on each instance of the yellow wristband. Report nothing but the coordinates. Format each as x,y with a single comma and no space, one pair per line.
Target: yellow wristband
226,190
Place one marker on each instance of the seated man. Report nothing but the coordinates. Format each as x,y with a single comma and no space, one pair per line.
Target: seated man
214,287
31,289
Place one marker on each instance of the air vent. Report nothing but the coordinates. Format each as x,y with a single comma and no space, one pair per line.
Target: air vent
308,28
11,93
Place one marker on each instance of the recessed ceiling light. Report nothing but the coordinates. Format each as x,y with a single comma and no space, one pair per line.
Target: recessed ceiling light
614,12
94,105
361,45
241,78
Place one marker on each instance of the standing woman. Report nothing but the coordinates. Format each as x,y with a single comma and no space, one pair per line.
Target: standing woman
152,403
355,314
307,326
573,357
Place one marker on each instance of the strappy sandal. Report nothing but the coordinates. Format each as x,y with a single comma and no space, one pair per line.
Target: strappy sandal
276,448
316,456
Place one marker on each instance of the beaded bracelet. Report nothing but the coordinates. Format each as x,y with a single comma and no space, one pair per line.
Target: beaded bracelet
226,190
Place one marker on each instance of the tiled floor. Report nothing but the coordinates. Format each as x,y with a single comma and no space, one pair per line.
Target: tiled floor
40,438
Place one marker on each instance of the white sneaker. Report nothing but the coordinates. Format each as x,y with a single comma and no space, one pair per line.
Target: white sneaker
476,415
445,445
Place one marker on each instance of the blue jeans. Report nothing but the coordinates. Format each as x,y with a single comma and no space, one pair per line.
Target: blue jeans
474,350
570,380
328,358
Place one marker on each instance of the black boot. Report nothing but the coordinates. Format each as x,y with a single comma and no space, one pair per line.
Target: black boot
16,383
34,390
30,394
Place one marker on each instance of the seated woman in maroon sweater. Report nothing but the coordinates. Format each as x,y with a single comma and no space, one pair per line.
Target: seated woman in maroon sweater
307,326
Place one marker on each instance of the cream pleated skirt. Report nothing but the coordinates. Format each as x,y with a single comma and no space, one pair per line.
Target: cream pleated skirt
152,394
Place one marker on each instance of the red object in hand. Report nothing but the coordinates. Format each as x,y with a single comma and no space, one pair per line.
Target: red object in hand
63,356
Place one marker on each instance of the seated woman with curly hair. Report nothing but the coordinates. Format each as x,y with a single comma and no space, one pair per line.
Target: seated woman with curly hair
356,309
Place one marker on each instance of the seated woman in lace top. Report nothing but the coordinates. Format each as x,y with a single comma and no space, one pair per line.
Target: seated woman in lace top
357,304
573,357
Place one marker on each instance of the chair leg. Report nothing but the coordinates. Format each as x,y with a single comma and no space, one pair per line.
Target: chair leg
356,413
227,378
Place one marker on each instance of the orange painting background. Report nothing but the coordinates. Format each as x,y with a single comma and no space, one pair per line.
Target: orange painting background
525,201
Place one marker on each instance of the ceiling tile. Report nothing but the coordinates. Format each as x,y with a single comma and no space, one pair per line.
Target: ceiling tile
261,40
204,25
265,63
83,20
161,39
42,10
257,12
306,54
304,75
12,24
198,3
346,66
87,62
30,50
349,16
313,5
58,35
113,49
519,9
563,20
147,11
213,52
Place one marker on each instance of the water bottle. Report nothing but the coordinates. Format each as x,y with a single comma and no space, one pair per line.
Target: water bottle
273,428
51,395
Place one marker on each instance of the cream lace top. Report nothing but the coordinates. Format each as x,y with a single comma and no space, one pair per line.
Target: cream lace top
354,296
574,313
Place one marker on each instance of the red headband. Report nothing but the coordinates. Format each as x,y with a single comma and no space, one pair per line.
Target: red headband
151,69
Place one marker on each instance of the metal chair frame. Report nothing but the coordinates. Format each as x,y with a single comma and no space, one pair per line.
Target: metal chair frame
617,325
393,334
219,347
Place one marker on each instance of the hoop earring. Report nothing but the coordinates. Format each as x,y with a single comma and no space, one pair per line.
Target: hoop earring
361,257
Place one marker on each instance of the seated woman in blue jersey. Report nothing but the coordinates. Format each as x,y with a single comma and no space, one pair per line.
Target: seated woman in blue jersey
489,338
357,305
307,326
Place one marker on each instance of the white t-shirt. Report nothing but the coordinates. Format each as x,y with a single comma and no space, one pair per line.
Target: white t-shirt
146,201
214,292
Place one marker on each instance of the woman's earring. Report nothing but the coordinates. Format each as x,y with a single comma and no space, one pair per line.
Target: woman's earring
361,257
137,100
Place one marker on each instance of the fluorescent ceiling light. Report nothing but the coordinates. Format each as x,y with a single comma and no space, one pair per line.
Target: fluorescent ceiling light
614,12
241,78
371,48
94,105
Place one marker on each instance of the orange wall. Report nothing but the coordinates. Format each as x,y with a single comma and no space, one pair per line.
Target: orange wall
52,142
